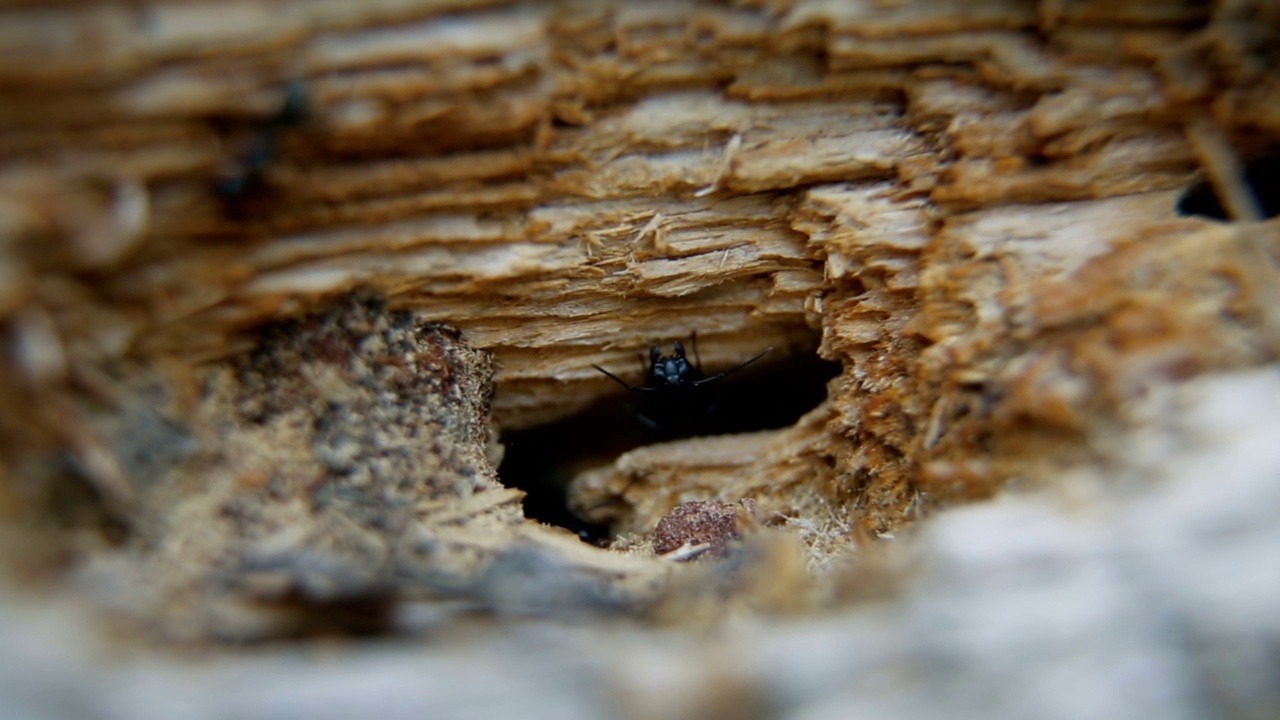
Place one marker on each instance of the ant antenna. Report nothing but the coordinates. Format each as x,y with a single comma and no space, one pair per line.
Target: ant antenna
719,376
623,383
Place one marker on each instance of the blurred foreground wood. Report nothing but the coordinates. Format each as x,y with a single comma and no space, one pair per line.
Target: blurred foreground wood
236,240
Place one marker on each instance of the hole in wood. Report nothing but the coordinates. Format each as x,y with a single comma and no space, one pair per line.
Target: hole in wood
541,461
1263,178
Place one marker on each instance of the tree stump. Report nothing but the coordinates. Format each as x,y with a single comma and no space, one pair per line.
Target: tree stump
280,280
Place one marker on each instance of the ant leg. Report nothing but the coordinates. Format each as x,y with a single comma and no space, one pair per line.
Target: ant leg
297,105
641,417
645,419
717,376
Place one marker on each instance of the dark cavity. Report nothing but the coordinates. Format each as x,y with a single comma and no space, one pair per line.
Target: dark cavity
676,400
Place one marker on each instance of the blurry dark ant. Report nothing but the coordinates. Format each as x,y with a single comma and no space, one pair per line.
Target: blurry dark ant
674,389
247,178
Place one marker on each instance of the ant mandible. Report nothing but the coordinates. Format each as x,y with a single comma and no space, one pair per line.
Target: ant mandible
672,382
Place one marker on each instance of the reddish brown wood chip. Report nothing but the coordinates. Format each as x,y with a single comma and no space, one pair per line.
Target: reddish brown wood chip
701,522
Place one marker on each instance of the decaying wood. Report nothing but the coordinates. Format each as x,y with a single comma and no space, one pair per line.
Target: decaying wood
970,206
1113,597
342,467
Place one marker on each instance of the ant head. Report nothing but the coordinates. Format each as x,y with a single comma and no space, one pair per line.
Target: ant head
668,370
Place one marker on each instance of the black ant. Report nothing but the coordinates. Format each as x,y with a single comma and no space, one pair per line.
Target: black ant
674,388
246,178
